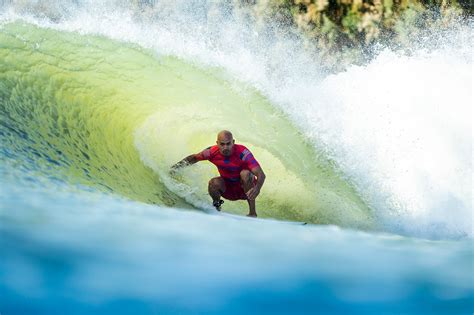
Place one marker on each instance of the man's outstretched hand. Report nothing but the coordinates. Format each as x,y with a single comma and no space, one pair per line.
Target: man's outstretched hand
173,171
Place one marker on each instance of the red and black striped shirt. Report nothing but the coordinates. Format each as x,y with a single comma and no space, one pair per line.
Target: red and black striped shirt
229,167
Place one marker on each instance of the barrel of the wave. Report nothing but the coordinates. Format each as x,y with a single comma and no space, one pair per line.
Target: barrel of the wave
116,117
299,186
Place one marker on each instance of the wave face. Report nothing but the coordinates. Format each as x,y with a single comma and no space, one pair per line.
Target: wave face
70,121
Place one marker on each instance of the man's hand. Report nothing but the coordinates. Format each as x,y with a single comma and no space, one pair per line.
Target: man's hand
173,171
253,193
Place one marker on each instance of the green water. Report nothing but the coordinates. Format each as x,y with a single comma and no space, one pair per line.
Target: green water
114,116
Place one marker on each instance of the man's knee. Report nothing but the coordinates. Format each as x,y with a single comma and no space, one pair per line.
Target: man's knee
216,183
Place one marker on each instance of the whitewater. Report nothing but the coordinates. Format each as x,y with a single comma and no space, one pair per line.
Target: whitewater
98,100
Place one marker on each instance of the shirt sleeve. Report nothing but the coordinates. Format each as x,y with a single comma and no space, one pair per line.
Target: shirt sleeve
204,154
249,159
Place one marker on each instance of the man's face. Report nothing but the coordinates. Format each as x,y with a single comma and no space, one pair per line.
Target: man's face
225,144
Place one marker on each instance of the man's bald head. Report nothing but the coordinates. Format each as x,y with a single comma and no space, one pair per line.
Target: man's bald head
225,142
225,134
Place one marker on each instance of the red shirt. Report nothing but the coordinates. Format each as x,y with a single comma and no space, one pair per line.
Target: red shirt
229,167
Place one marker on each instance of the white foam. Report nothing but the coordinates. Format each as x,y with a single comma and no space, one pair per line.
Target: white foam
401,129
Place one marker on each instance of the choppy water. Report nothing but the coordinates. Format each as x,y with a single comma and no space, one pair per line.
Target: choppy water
97,101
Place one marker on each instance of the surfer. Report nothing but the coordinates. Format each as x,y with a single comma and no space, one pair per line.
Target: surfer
241,176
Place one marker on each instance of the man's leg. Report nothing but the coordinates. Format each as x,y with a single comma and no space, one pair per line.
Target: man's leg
247,182
216,188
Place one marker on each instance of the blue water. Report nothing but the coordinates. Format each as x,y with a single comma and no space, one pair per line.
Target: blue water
88,253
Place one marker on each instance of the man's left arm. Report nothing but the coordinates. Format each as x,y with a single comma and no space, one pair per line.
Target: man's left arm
255,191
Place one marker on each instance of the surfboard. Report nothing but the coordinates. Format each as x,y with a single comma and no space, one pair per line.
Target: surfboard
242,217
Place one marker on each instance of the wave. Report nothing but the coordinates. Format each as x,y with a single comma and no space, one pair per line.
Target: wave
393,133
95,109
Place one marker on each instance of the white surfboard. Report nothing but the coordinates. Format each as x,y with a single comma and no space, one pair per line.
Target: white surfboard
242,217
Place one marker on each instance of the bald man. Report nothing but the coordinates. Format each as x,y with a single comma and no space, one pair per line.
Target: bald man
241,176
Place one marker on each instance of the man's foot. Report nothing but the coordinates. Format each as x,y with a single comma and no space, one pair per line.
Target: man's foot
218,204
253,215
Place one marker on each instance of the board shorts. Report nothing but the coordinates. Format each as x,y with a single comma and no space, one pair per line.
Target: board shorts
234,190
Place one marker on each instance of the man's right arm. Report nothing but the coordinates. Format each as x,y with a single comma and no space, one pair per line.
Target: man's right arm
189,160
